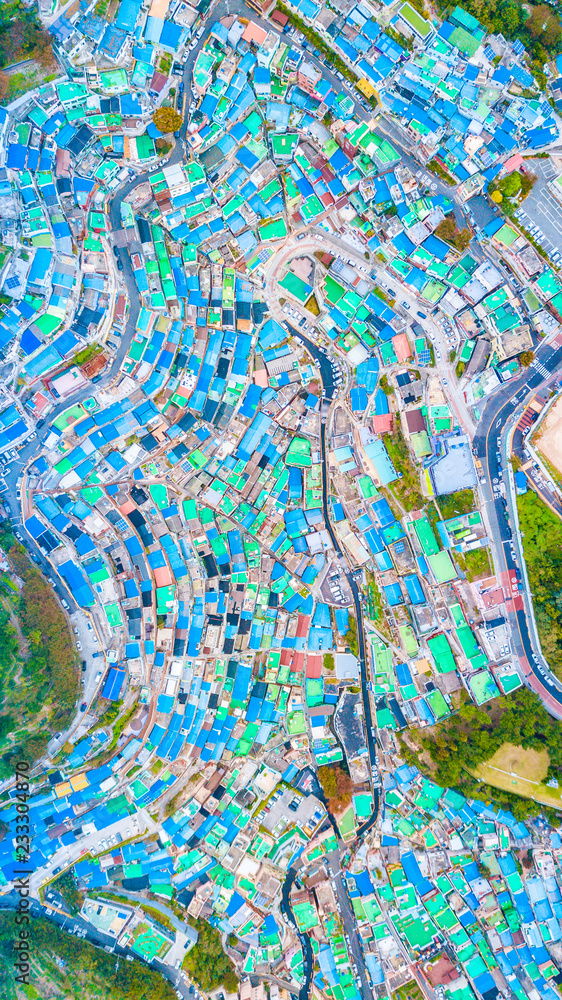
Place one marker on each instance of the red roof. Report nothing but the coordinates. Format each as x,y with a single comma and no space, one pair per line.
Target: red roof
313,665
298,661
303,625
382,424
158,82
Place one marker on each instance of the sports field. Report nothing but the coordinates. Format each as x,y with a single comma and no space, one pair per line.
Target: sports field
549,438
522,772
149,943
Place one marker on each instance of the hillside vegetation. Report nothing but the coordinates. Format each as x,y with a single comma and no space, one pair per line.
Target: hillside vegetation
207,963
541,531
337,787
472,736
39,682
69,967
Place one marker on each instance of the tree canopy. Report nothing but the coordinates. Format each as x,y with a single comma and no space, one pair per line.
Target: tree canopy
21,35
89,971
447,230
541,531
337,787
167,120
475,734
45,696
536,25
207,963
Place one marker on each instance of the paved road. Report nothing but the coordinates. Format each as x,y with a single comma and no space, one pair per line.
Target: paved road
541,209
488,445
71,924
348,917
286,908
539,478
347,914
351,931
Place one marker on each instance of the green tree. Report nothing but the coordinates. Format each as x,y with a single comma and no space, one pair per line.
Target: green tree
337,787
167,120
511,184
207,963
543,26
88,971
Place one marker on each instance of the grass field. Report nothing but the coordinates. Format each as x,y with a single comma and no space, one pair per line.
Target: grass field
409,991
522,772
475,563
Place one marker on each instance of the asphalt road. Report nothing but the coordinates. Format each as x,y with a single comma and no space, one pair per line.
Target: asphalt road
486,443
541,208
71,924
304,991
326,372
539,478
487,446
350,924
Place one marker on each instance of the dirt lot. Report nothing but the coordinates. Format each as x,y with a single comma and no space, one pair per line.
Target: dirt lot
521,772
549,437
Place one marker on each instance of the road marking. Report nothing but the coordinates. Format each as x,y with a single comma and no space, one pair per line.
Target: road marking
540,368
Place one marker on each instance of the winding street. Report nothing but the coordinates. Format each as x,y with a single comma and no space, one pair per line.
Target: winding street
72,924
488,442
490,445
346,911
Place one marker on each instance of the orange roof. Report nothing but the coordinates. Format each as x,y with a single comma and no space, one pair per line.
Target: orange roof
159,8
493,598
298,660
383,423
40,402
127,507
254,33
401,346
302,626
260,378
162,576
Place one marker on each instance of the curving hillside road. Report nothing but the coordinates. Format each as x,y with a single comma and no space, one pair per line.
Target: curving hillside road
10,901
489,443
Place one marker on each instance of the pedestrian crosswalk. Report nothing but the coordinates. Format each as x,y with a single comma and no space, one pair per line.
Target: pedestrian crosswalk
540,368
